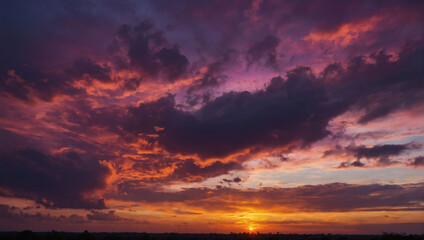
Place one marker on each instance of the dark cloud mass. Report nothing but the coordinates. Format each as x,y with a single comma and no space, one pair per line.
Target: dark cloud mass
26,82
417,162
10,215
236,120
101,216
13,216
52,181
327,197
189,171
288,110
381,152
384,154
347,164
85,67
265,51
214,75
34,53
173,62
148,51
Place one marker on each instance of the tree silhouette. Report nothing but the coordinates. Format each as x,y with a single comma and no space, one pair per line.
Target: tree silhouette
27,235
86,236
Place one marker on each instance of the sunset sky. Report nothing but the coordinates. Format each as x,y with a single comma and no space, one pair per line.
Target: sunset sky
212,116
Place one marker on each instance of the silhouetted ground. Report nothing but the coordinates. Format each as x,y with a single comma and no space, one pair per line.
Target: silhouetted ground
29,235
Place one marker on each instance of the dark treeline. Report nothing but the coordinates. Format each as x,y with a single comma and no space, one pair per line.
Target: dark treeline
54,235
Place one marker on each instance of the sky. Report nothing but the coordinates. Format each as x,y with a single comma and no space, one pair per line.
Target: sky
212,116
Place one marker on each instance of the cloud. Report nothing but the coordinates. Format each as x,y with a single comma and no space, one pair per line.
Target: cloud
265,51
38,47
295,109
214,76
109,216
86,67
188,170
158,168
380,152
54,182
229,181
334,197
149,52
15,219
64,30
347,164
75,36
12,215
417,162
131,84
173,62
235,121
26,82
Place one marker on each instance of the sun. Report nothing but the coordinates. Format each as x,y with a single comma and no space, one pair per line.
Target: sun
251,228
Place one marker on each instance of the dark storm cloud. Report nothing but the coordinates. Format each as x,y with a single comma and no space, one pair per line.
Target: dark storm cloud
52,181
17,216
131,84
295,109
214,75
347,164
173,62
237,180
201,89
229,181
381,152
148,51
190,171
35,48
417,162
236,120
57,42
327,197
86,67
109,216
12,215
401,81
11,140
20,81
265,51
